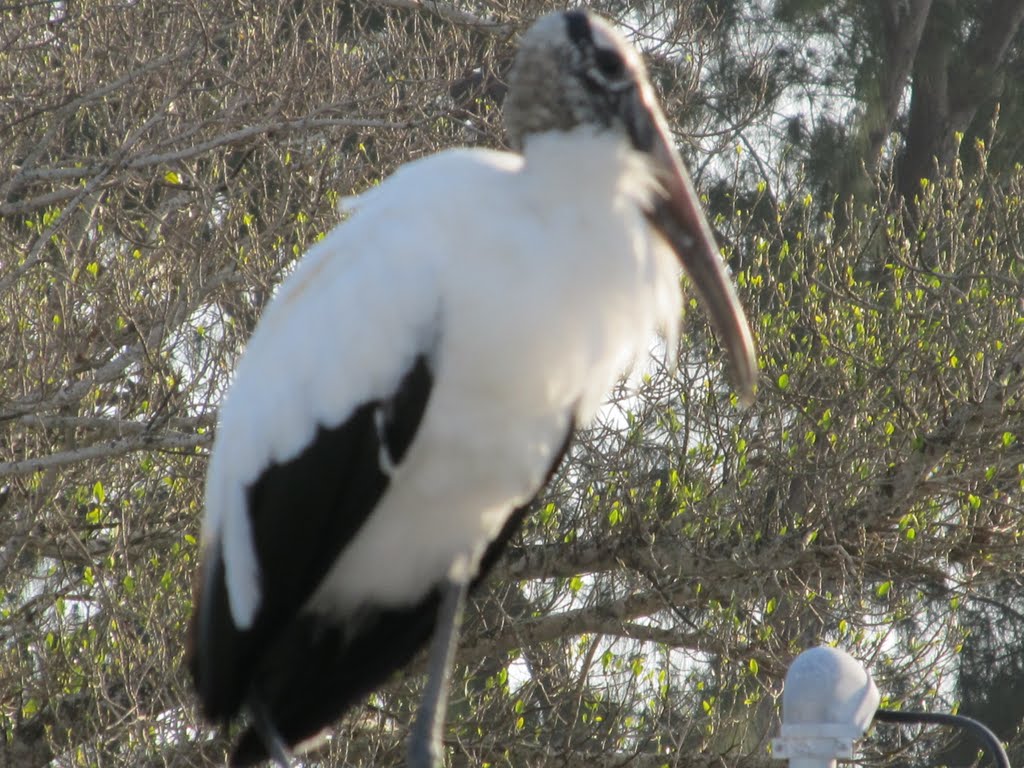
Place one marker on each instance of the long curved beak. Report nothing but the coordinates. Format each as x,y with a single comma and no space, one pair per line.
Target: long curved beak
679,218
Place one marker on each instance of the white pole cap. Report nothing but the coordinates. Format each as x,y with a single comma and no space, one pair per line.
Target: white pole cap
828,702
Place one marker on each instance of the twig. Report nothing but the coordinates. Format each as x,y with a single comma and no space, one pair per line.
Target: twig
450,13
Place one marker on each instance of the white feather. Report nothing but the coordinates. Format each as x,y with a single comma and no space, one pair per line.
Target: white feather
532,284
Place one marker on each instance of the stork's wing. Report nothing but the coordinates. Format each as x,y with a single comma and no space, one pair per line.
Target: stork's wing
327,399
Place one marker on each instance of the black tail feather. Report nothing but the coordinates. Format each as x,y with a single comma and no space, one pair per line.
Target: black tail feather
330,667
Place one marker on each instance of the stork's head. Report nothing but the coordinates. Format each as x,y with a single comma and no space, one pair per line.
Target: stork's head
574,69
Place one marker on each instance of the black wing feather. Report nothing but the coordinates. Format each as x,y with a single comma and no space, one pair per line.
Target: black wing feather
303,513
332,667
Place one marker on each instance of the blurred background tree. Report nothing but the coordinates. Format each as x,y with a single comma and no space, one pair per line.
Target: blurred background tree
163,164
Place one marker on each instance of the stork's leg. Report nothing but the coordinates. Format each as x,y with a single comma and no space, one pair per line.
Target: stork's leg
264,726
425,740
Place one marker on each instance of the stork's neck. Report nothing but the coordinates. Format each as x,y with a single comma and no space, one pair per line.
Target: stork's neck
589,162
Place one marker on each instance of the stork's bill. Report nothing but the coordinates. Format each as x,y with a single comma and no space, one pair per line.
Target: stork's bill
416,380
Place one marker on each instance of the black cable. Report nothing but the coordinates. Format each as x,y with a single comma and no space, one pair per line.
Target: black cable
979,729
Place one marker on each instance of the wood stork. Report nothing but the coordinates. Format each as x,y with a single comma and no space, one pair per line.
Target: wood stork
415,382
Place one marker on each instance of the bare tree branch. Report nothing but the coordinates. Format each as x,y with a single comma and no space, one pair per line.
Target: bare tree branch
451,14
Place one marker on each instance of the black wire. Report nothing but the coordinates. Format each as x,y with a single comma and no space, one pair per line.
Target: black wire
979,729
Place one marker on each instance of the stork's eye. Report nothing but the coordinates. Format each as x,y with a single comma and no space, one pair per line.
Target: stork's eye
609,63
